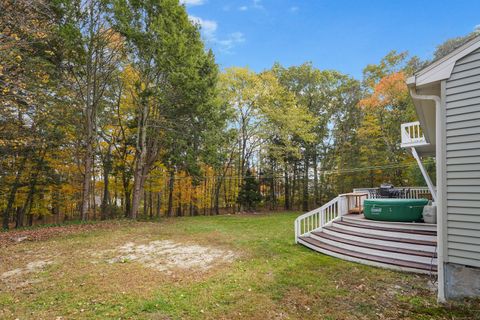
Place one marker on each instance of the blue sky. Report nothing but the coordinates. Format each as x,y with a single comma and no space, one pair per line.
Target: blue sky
336,34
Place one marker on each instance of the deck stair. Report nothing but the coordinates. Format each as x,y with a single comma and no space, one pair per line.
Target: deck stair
402,246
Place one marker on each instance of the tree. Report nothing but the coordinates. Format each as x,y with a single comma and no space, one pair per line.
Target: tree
240,90
175,79
386,106
117,103
451,44
323,94
28,127
249,195
341,149
264,115
92,56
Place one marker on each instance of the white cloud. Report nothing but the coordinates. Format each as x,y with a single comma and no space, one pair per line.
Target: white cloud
294,9
233,39
192,2
208,27
209,32
477,28
256,4
238,37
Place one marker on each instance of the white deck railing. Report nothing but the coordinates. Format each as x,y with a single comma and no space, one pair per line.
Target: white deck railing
320,217
412,134
339,206
411,192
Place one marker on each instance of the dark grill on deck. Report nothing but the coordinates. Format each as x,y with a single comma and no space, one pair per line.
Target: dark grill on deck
387,190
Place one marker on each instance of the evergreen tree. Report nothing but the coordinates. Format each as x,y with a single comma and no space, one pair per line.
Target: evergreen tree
249,195
174,90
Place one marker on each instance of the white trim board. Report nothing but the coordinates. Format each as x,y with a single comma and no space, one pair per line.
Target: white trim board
442,68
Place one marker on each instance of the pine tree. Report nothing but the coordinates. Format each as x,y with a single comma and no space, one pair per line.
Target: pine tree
249,195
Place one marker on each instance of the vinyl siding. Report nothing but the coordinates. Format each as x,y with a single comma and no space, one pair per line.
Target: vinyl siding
462,100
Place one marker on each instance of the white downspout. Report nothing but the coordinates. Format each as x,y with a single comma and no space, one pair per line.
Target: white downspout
439,172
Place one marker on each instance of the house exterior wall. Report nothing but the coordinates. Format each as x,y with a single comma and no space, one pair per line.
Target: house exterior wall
462,191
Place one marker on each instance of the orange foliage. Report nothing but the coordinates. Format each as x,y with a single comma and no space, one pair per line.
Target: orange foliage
388,91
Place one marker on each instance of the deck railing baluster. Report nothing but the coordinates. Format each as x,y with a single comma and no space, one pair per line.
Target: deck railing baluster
331,211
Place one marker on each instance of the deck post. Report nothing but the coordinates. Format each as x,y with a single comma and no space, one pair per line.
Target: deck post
343,207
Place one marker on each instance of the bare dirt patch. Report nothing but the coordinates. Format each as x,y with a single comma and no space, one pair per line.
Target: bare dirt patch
167,255
21,277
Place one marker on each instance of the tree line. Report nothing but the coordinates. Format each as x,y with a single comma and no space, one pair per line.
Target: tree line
115,108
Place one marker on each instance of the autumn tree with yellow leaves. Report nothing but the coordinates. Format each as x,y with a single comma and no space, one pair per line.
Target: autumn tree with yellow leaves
115,108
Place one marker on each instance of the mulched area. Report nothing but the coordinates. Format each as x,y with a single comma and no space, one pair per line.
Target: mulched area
13,237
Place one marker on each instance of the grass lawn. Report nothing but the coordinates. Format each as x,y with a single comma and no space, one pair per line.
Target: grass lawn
258,273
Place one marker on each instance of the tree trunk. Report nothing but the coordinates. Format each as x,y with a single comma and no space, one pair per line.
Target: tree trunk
19,217
212,196
30,220
159,203
205,192
128,203
137,191
28,202
55,204
31,192
294,183
127,193
272,194
225,195
273,200
179,204
171,184
89,112
315,179
305,184
94,199
87,177
231,189
287,188
107,167
145,203
321,183
12,195
140,164
115,192
218,186
150,202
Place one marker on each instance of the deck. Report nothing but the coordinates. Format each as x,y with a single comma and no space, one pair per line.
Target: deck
410,247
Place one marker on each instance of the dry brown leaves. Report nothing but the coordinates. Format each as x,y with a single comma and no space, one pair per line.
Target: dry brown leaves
40,234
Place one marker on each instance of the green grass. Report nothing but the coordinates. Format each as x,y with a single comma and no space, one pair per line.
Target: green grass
271,278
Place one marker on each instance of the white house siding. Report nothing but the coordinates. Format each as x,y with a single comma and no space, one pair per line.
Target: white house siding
462,100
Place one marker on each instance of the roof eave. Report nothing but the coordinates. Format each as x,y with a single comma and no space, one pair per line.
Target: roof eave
411,81
442,69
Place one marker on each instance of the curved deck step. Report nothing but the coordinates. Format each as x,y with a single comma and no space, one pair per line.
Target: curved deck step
381,231
383,238
389,229
367,258
360,219
376,246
